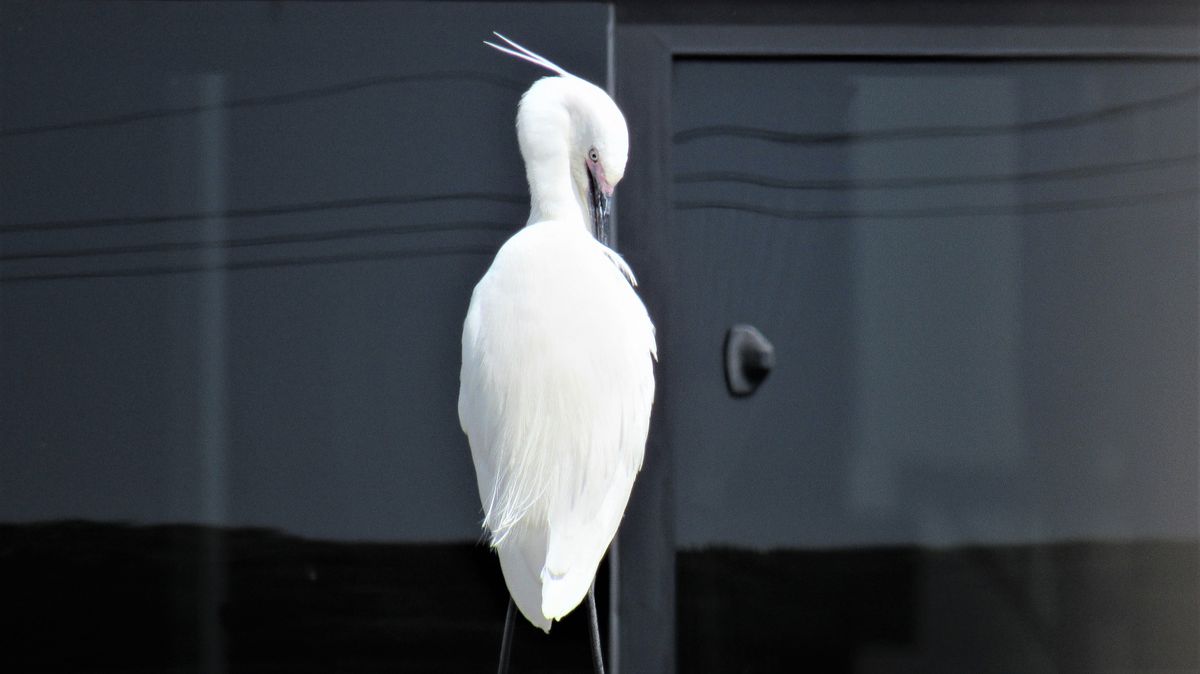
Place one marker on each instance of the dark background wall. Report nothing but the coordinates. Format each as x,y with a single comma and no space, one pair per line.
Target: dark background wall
237,241
236,245
980,278
977,450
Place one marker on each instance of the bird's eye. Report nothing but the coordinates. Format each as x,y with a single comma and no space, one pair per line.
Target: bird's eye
593,155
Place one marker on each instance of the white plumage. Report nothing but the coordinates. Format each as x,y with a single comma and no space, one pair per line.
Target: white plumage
557,376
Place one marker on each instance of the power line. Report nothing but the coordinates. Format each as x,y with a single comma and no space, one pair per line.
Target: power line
162,270
272,240
284,209
1066,205
760,180
265,101
912,133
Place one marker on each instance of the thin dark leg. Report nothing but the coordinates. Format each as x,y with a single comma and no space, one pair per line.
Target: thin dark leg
506,640
597,655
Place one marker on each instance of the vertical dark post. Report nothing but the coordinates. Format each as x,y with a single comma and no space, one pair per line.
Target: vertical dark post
646,593
213,386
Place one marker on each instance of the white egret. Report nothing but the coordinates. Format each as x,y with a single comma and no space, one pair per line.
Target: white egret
557,375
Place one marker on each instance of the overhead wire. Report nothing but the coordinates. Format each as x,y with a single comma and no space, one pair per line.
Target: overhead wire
266,100
919,132
258,212
1068,173
681,137
297,261
1027,208
269,240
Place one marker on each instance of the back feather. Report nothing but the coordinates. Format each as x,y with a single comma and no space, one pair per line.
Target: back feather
557,383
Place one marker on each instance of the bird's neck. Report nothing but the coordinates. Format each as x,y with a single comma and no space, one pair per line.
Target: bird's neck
546,133
555,190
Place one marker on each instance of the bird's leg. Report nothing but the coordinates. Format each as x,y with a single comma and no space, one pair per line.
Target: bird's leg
597,655
506,640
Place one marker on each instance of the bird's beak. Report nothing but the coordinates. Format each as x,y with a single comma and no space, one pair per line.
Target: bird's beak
601,193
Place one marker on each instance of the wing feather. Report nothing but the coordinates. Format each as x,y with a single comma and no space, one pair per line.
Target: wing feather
556,388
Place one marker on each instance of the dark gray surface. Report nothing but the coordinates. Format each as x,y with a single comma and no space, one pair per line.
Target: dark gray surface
980,279
910,13
646,537
360,161
929,634
333,414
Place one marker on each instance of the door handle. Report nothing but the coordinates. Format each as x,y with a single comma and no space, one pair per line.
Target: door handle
749,358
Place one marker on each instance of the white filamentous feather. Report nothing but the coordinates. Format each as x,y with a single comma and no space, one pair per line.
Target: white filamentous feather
527,55
557,375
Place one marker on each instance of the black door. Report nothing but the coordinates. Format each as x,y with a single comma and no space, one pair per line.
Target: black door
976,450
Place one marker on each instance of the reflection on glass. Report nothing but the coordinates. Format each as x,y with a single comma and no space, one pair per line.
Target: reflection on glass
978,448
237,242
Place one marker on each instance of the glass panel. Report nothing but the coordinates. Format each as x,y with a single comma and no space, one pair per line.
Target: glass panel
978,448
237,242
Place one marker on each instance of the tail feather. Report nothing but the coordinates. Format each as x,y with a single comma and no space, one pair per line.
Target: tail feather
522,556
560,595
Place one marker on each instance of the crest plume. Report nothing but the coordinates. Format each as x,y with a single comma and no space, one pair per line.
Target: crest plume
526,55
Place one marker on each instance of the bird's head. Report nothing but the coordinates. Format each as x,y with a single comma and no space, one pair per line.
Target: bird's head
566,120
575,144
